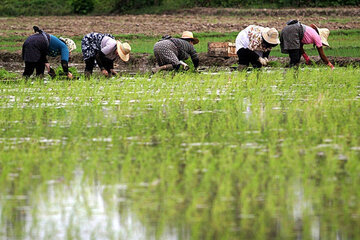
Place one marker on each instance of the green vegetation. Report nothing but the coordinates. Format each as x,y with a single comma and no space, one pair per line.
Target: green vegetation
57,7
258,155
344,43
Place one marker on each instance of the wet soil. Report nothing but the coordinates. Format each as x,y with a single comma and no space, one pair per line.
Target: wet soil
143,62
174,22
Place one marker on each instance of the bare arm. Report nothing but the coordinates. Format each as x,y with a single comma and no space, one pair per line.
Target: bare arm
322,55
324,58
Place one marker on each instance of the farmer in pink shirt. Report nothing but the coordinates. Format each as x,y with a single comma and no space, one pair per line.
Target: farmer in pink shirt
295,35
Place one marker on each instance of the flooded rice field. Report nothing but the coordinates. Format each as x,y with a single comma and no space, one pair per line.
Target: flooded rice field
270,154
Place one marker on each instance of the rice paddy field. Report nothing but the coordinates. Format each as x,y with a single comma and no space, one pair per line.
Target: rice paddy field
268,154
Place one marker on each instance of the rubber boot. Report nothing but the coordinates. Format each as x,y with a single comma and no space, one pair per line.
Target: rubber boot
164,67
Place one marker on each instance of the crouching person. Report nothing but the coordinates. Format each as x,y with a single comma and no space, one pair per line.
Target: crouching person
295,35
253,45
169,52
38,46
105,50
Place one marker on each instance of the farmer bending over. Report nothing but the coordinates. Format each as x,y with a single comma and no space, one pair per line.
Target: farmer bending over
105,50
38,46
253,45
295,35
169,52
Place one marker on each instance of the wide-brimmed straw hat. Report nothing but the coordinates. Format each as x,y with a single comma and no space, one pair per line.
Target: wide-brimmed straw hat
324,34
271,35
123,50
189,35
69,43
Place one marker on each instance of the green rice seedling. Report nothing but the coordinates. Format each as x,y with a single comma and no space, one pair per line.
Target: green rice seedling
6,76
262,154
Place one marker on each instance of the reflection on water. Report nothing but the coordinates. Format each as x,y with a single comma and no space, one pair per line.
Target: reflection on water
78,210
222,157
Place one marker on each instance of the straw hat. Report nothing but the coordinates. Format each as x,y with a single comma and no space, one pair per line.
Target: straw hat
69,43
123,50
324,34
189,35
271,35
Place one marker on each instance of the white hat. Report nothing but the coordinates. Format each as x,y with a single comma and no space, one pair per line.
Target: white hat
271,35
324,34
189,35
123,50
69,43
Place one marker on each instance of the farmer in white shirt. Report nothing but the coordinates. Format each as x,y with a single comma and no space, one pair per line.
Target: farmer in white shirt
253,45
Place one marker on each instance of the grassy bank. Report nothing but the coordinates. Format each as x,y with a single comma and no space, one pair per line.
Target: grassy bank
344,43
260,155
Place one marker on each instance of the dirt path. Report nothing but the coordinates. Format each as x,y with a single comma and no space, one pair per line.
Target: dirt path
197,20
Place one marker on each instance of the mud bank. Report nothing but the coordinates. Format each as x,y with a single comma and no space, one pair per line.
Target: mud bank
144,62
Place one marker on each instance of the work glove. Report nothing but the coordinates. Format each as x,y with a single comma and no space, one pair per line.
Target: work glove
185,66
262,61
330,65
52,73
307,59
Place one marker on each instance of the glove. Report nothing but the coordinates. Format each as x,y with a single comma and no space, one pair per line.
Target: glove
307,59
330,65
267,60
52,73
186,67
262,61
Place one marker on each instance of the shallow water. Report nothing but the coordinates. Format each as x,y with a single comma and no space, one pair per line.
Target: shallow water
257,155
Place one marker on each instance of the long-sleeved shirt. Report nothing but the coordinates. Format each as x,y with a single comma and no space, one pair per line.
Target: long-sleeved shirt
58,47
251,38
108,47
185,49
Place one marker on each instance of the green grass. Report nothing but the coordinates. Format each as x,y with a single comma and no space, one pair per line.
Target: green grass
242,155
344,43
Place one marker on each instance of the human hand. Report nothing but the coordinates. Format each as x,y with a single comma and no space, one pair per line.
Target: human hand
330,65
52,73
47,65
69,75
113,72
267,60
105,73
262,61
186,67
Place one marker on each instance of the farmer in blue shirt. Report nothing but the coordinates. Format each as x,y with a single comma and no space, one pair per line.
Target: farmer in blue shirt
38,46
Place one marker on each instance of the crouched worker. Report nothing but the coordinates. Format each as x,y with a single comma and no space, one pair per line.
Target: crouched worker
253,45
105,50
169,52
36,48
295,35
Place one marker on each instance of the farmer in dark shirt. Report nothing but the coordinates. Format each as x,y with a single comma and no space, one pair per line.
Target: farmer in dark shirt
37,47
169,52
104,49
